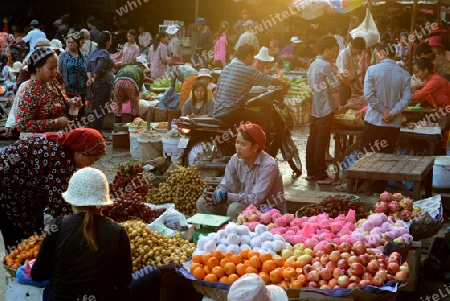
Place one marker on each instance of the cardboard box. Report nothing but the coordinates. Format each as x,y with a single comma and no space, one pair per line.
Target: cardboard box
120,139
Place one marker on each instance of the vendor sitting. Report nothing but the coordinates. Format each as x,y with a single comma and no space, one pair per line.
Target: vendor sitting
251,177
263,61
199,104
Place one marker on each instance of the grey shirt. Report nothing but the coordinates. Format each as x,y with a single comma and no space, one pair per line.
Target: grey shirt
205,109
259,185
320,79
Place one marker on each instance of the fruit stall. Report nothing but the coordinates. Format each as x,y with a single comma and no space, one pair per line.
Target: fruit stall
338,247
298,98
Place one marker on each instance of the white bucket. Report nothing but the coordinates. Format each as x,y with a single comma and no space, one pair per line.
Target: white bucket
149,149
170,148
134,145
441,172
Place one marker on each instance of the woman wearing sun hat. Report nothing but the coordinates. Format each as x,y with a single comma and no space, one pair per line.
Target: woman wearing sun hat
33,174
88,256
263,61
174,46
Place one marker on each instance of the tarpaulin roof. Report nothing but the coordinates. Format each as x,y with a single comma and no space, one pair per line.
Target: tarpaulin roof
311,9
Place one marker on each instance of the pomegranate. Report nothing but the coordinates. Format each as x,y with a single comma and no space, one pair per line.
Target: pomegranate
325,274
357,268
343,281
396,256
342,263
373,266
393,268
377,281
365,282
313,276
353,259
345,247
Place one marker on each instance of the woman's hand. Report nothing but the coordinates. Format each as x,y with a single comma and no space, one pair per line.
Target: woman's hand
63,122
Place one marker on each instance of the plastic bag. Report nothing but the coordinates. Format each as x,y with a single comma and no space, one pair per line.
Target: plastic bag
23,276
171,216
367,30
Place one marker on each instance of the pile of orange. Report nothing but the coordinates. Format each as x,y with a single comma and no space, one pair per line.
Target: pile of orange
228,267
25,251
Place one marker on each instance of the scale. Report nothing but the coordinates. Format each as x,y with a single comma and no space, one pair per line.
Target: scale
206,223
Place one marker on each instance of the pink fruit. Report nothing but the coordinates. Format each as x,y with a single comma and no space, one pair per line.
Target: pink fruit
405,215
385,197
407,204
393,206
381,207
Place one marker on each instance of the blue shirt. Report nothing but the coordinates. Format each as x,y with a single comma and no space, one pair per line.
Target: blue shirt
321,78
386,85
100,63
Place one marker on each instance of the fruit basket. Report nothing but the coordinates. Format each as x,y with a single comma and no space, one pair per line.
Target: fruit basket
211,292
10,271
426,232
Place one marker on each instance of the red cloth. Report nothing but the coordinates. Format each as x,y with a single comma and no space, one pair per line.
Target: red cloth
256,132
86,141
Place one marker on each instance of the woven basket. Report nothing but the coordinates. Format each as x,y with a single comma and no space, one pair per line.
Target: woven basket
211,292
427,231
10,271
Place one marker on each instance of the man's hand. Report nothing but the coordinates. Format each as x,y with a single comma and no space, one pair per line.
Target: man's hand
387,117
207,196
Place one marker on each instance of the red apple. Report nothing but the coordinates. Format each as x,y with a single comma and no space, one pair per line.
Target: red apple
319,253
380,256
334,256
342,263
382,273
353,259
373,266
345,247
395,256
364,259
354,279
366,276
337,272
325,274
313,276
317,265
331,265
393,268
359,248
377,281
333,282
357,268
329,247
345,255
365,282
324,259
343,281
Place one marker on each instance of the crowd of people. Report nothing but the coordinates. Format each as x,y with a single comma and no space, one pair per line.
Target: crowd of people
56,80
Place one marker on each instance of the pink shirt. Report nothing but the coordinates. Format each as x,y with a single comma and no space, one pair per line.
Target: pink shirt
438,88
220,52
127,54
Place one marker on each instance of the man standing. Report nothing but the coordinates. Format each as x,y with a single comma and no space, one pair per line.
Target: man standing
94,32
387,88
204,44
33,35
248,37
348,63
323,82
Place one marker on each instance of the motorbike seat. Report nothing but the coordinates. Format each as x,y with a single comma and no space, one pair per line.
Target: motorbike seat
211,122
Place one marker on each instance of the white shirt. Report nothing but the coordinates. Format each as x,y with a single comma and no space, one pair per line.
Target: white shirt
32,37
347,63
144,39
11,122
248,38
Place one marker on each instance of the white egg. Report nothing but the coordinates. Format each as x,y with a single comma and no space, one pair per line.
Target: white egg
260,229
243,230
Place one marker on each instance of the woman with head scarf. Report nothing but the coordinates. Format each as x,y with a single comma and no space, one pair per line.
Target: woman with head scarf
43,106
87,256
33,174
252,177
72,65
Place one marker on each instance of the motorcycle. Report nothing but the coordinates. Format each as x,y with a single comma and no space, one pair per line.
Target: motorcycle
209,143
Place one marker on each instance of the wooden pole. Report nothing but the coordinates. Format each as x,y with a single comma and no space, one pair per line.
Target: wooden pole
411,43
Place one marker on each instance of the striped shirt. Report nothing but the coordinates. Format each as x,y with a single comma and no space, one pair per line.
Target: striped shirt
236,79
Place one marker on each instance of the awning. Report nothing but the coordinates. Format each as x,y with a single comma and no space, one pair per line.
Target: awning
311,9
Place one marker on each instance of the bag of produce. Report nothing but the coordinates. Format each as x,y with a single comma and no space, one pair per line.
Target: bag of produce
23,276
367,30
169,223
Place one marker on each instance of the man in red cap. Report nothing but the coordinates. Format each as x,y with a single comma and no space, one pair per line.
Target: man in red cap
251,177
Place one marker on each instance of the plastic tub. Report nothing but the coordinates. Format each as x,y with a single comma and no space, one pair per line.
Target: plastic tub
441,172
149,149
170,148
134,145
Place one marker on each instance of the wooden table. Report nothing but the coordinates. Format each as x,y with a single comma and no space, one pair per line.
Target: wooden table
348,140
379,166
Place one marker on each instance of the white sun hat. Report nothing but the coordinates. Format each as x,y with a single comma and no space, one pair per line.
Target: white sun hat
295,40
263,55
251,287
88,187
172,29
